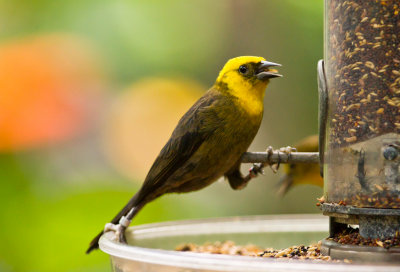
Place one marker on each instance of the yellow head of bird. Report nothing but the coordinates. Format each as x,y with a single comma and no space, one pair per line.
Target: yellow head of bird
246,78
247,73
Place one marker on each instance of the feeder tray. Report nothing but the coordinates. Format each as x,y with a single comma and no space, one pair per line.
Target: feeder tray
150,247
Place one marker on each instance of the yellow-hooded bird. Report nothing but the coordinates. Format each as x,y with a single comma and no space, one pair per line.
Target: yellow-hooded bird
296,174
209,139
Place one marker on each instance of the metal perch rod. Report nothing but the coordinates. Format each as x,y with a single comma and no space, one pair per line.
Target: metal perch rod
279,156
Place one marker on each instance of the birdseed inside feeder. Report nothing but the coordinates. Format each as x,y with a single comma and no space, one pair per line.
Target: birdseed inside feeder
360,120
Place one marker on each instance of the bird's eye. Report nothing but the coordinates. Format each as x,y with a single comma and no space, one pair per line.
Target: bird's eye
243,69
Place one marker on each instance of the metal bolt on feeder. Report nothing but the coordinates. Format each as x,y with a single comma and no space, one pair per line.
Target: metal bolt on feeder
359,85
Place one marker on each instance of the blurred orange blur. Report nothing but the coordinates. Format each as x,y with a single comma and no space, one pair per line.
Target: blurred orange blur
50,87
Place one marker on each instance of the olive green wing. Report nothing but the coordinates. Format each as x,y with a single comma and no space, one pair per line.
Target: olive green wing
194,128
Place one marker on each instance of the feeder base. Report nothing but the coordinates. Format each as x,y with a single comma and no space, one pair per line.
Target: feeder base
339,251
373,223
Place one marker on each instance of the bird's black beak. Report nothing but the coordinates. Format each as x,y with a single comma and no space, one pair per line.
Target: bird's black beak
263,72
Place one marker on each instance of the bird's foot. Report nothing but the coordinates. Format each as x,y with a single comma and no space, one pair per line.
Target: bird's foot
256,169
119,229
270,151
287,150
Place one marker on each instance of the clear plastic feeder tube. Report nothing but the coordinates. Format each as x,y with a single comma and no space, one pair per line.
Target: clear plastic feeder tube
362,69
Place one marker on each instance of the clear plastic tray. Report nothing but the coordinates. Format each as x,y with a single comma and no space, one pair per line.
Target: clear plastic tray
151,246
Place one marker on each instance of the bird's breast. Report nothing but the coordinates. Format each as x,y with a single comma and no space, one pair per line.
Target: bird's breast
235,134
252,106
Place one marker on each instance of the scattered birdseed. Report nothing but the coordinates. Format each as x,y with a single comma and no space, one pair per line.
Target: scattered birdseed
311,252
321,200
227,248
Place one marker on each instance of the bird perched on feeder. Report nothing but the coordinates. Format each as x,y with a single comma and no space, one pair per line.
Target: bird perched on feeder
296,174
208,140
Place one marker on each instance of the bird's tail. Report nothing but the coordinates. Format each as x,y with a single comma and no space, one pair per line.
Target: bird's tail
133,202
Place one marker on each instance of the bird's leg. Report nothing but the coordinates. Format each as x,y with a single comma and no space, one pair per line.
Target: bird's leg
122,225
257,168
235,178
237,181
119,229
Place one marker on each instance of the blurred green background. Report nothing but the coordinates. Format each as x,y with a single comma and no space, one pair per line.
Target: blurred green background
90,91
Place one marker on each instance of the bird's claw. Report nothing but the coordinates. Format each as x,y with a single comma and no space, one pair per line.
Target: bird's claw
287,150
255,170
270,151
119,229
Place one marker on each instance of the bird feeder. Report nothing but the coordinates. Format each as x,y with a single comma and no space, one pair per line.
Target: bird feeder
359,84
